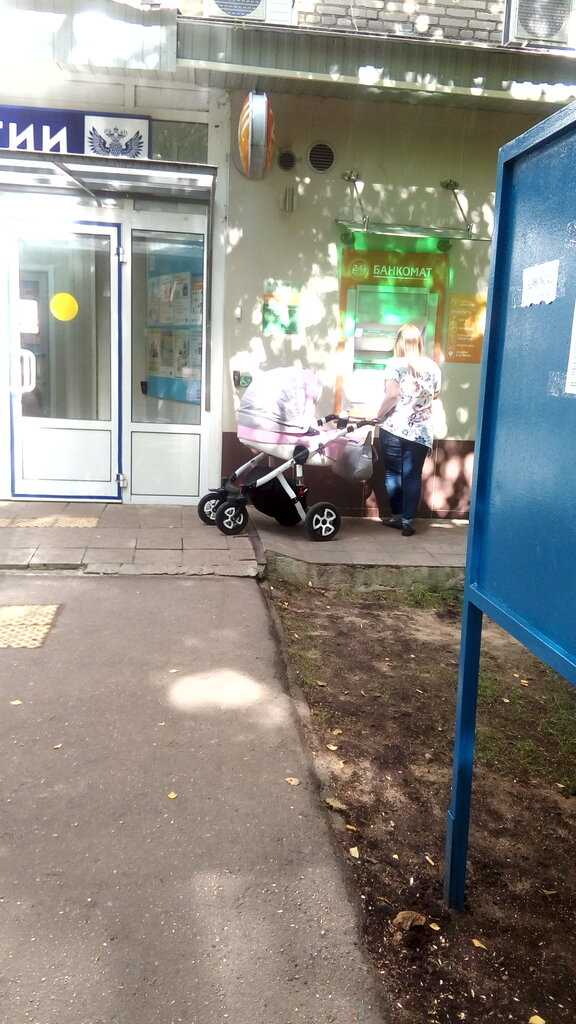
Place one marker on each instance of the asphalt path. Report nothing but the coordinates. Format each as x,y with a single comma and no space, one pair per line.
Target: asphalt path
155,864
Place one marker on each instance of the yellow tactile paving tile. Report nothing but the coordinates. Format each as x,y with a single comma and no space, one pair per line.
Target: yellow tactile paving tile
82,522
26,625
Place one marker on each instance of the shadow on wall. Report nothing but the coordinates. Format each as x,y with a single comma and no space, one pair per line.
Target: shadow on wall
446,484
448,480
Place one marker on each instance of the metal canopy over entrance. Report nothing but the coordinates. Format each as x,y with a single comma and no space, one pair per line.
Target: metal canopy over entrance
104,177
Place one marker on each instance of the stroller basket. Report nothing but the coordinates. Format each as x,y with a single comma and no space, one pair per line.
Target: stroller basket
277,418
272,499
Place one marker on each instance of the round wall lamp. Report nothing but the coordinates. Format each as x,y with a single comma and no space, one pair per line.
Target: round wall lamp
256,135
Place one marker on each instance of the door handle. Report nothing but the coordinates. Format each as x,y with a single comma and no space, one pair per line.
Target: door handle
25,375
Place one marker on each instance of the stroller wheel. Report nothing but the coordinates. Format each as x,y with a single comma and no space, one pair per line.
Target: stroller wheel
208,505
231,517
322,521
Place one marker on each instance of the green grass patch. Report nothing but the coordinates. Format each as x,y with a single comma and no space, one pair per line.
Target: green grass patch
323,718
421,595
307,664
527,730
489,689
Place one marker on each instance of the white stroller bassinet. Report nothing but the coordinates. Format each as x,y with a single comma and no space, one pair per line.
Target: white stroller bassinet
277,418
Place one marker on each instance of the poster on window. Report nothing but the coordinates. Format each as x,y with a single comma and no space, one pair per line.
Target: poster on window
174,299
175,363
174,313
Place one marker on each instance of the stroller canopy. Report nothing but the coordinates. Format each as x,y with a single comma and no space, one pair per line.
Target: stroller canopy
282,400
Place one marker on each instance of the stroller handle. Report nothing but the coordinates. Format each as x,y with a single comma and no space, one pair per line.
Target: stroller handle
343,422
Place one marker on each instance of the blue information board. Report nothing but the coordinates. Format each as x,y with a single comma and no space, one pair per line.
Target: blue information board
522,538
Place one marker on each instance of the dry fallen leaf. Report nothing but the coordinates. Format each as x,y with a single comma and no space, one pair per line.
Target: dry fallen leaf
319,683
15,702
430,861
172,795
524,682
293,782
354,852
57,746
479,944
351,828
331,746
409,919
435,927
536,1019
336,732
335,804
549,892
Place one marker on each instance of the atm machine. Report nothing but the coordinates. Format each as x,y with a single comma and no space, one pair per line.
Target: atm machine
375,313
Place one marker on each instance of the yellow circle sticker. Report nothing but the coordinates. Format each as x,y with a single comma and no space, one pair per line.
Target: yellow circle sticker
63,306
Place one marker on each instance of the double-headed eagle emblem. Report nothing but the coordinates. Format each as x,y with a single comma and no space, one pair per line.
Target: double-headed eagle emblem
132,148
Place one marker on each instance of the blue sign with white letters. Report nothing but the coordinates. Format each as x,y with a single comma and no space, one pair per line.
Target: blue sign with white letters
72,131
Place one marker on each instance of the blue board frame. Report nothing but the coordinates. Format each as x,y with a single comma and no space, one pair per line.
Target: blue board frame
522,537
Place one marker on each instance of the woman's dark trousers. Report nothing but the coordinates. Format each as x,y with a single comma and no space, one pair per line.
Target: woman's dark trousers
403,464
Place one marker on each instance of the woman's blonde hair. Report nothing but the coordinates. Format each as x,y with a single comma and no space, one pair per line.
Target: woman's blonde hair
409,346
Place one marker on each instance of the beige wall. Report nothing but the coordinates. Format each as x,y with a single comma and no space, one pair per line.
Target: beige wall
401,153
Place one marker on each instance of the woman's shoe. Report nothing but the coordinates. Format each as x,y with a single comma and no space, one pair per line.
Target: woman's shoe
408,530
395,524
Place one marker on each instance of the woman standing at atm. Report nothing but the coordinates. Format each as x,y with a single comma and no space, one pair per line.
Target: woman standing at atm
405,416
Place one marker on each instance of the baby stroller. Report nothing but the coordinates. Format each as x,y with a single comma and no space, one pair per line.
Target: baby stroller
277,417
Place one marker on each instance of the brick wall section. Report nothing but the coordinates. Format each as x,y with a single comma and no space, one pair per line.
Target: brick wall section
453,20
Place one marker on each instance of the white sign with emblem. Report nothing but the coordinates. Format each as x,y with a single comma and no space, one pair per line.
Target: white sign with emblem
116,136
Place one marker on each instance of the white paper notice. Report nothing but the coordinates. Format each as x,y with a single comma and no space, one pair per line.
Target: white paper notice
540,283
570,388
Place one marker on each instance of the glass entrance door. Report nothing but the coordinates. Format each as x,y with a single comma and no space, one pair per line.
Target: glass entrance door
65,359
170,421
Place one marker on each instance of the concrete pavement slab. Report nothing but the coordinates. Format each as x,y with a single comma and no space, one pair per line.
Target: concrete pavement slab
16,558
159,538
110,555
57,558
206,539
114,538
157,867
157,559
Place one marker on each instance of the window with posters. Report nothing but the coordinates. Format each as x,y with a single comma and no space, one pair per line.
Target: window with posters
168,320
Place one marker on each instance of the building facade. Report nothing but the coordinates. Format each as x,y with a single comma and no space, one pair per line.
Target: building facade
147,276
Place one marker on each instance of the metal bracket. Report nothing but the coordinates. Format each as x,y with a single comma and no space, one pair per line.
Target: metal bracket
451,185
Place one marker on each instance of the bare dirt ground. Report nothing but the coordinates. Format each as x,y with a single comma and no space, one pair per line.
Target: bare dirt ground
379,674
